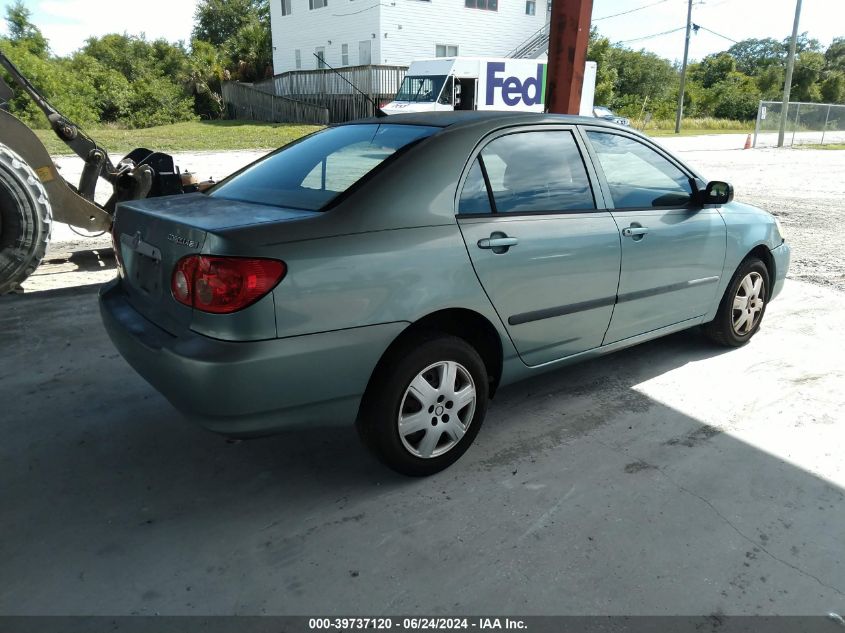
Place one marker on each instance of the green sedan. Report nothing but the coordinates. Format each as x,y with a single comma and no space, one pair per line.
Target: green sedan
394,273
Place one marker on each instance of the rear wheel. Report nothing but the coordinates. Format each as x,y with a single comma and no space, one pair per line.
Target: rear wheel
425,405
743,305
25,220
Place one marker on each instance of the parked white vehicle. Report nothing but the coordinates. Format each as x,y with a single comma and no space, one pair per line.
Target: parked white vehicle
481,83
603,112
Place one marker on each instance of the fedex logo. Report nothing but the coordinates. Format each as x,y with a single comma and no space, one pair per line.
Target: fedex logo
530,91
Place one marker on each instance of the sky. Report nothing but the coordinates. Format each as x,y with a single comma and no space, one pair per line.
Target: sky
67,23
735,19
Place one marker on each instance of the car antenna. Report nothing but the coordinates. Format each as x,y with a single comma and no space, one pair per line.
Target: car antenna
379,112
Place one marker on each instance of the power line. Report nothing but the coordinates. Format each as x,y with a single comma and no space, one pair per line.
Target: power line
378,4
704,28
607,17
648,37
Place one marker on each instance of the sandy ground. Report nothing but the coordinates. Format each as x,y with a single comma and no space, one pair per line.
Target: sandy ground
768,138
805,188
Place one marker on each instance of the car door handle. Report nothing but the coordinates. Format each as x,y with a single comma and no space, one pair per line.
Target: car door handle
497,242
631,231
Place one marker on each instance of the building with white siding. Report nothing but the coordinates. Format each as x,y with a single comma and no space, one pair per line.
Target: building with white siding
395,32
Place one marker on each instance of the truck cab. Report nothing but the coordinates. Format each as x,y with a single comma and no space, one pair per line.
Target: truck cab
431,85
480,83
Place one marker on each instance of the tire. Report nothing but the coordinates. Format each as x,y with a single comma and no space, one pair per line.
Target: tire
446,425
739,318
25,220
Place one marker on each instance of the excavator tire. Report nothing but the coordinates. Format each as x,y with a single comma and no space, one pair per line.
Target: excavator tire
25,220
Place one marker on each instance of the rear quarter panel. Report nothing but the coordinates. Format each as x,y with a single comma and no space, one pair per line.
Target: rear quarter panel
378,277
361,279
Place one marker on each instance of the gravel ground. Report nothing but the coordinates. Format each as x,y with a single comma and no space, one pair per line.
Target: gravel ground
803,187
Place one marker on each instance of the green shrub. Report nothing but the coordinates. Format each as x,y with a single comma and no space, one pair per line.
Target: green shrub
157,101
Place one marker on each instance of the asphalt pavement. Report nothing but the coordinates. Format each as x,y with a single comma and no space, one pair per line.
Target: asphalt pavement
671,478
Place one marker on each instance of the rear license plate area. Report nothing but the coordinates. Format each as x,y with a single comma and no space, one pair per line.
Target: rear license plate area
148,275
143,265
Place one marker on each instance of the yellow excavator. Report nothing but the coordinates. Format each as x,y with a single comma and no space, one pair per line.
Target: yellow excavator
33,194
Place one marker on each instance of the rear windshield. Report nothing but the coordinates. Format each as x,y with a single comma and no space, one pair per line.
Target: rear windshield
311,173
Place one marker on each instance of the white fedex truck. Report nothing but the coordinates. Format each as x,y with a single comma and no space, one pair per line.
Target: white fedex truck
481,83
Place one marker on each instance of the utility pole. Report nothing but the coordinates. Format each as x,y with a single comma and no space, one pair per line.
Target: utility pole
790,65
680,112
569,34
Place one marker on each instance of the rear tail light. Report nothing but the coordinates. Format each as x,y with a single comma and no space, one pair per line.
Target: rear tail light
224,284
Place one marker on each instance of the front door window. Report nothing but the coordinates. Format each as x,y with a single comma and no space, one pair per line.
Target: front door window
638,176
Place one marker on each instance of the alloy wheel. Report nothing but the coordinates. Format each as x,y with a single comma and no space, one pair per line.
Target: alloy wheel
748,303
437,409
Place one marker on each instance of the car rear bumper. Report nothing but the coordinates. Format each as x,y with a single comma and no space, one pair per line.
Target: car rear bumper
249,388
781,255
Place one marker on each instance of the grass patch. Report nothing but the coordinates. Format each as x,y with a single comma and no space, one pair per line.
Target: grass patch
694,126
212,136
820,146
699,132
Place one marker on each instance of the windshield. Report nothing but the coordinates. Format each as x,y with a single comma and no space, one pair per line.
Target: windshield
602,111
311,173
421,89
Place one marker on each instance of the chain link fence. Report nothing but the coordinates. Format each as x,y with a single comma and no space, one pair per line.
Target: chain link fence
806,123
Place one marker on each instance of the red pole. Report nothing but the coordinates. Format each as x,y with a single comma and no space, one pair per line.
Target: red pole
569,34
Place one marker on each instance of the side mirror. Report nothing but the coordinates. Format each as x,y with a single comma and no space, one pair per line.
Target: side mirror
718,192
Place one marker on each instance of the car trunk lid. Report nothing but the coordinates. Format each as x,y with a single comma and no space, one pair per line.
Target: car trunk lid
153,235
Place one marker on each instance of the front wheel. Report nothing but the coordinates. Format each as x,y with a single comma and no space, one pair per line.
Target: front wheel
25,220
425,405
743,305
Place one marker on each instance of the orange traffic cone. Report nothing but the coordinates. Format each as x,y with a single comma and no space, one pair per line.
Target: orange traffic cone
747,142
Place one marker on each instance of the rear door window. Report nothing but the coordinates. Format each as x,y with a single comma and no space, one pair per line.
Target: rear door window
311,173
535,172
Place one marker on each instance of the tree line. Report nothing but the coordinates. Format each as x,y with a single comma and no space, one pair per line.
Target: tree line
133,82
725,85
130,81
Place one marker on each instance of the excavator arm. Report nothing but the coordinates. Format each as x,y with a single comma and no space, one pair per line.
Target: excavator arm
140,174
97,161
33,194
